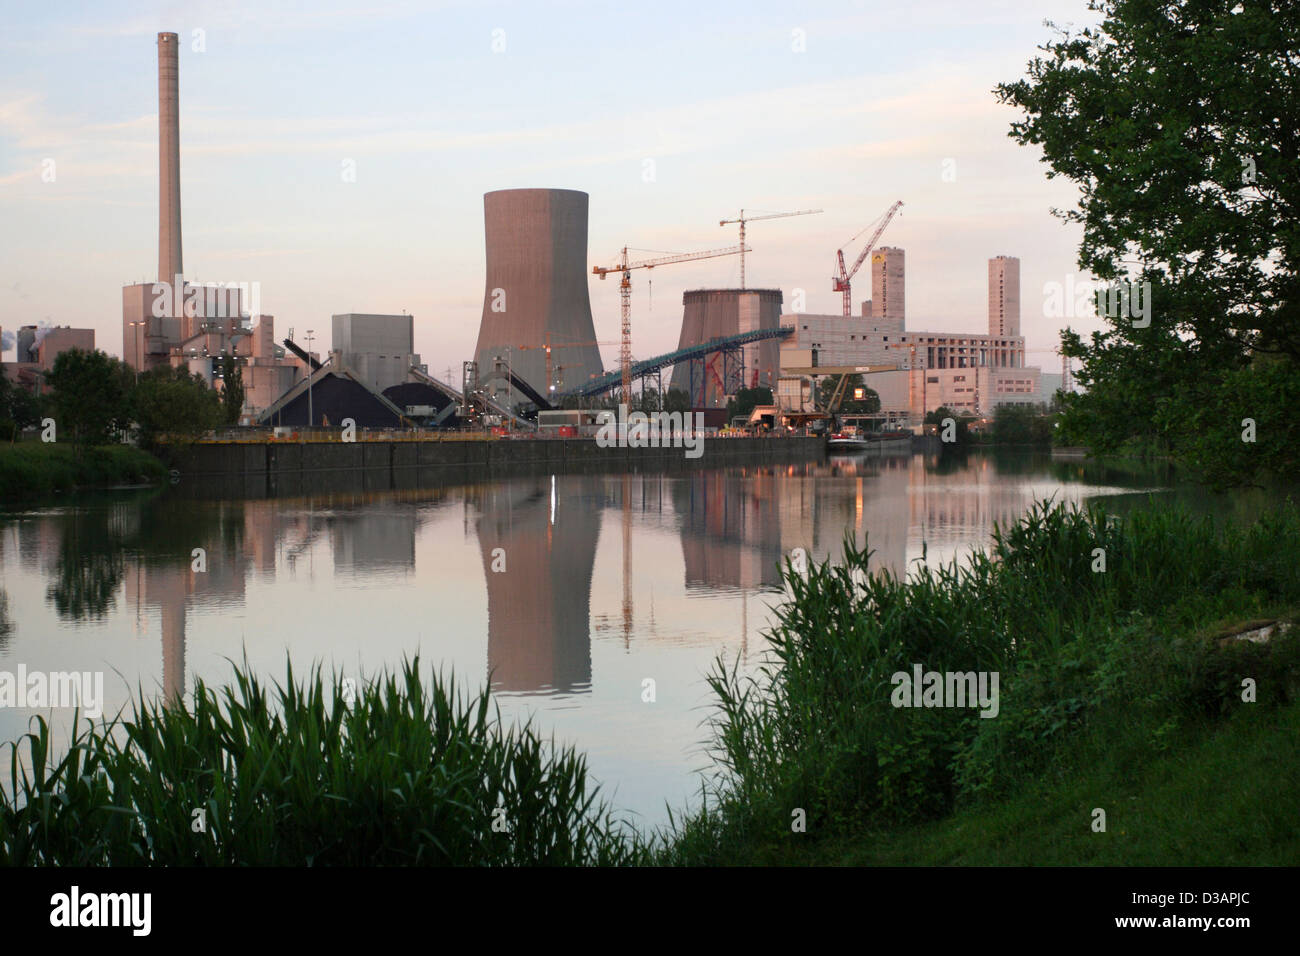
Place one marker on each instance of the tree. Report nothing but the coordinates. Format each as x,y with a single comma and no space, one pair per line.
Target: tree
746,400
869,404
961,423
89,395
1021,425
232,390
677,401
173,403
19,409
1179,121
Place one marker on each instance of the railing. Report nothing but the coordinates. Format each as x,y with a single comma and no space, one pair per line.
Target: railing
262,436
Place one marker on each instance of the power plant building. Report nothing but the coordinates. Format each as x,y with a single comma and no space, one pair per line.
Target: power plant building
379,349
717,313
38,346
180,323
1004,296
963,371
536,288
888,301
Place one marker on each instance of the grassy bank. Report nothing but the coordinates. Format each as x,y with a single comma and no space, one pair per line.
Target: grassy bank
1122,687
1117,690
32,469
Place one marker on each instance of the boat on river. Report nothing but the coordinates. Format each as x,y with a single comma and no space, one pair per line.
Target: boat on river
842,441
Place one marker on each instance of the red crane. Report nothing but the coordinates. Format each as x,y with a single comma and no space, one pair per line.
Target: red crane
843,281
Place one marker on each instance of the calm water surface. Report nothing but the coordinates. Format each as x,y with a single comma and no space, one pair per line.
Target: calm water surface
608,580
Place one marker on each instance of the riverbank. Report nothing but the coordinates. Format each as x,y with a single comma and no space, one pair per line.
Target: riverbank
33,469
1124,687
284,468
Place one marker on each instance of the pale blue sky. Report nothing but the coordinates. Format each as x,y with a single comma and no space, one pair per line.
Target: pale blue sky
581,95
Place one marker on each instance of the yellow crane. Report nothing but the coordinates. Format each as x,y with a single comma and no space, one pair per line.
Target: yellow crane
744,219
550,377
625,292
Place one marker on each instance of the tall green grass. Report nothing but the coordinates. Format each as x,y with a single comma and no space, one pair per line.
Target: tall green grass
1127,654
411,773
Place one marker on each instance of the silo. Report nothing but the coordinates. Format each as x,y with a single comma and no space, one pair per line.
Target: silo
537,286
716,313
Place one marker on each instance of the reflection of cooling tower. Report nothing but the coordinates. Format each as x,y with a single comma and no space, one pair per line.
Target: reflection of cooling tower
730,528
713,313
539,607
537,284
169,160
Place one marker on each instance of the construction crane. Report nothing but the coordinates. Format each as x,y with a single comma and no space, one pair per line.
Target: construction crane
625,292
843,281
744,219
550,377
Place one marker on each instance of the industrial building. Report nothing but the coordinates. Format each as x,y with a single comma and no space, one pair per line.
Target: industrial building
536,289
888,300
717,313
332,393
964,371
37,347
178,323
379,349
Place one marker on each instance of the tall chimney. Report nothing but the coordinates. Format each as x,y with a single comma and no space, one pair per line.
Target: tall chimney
169,162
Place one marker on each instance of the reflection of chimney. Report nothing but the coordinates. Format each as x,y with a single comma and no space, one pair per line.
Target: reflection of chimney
169,160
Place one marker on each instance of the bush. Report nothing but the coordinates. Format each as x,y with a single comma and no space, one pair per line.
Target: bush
1075,647
32,469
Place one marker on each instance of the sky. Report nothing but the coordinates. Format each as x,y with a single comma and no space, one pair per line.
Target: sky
671,116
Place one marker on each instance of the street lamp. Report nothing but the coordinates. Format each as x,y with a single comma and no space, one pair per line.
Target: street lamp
139,348
311,415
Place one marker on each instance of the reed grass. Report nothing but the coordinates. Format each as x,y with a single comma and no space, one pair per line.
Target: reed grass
1125,655
413,772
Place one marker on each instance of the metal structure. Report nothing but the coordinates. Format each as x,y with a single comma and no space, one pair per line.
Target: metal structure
652,366
843,282
625,293
729,381
550,374
771,215
311,418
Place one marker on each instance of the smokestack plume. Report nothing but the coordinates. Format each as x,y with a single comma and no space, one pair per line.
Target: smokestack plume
169,160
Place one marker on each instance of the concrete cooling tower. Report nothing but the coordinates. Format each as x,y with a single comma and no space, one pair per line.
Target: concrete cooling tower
537,285
714,313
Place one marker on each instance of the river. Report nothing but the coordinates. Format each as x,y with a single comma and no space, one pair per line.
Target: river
568,592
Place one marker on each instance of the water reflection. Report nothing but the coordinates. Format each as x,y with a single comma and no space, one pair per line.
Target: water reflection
605,579
538,540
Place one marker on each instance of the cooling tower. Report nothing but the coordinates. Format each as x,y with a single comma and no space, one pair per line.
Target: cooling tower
537,285
715,313
169,160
